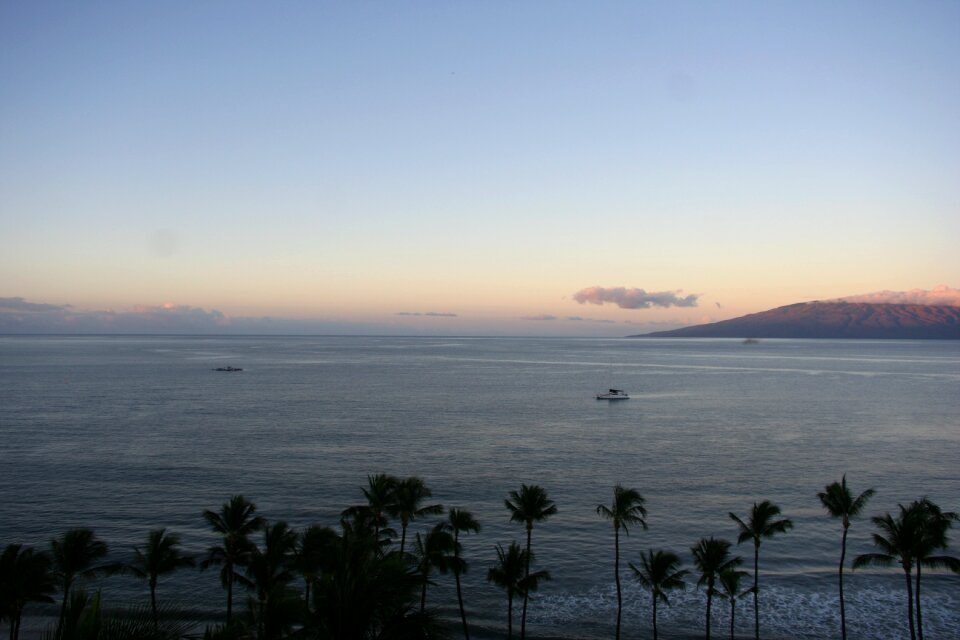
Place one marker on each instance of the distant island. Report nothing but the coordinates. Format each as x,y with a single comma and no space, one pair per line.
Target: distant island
850,320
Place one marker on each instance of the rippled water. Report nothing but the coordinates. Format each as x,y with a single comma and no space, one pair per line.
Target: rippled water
126,434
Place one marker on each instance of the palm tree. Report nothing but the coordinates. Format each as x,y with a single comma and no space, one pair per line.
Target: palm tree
160,556
461,520
25,577
436,550
314,551
381,497
761,524
730,584
235,522
529,505
660,573
712,557
408,496
627,509
511,573
932,525
75,555
897,541
839,502
269,571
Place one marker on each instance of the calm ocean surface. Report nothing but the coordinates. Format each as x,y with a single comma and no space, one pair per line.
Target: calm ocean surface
125,434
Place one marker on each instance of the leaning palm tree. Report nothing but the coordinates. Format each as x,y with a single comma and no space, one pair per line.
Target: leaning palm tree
839,502
627,509
409,495
712,557
76,554
461,520
932,525
659,574
896,541
435,550
235,522
511,573
160,556
25,577
760,524
529,505
730,590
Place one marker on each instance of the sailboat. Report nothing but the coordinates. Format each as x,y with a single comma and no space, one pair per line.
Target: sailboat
613,394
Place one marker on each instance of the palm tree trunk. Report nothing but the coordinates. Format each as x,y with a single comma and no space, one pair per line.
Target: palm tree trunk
63,609
916,597
709,603
306,594
526,591
913,631
229,568
843,611
616,576
733,614
403,537
463,613
510,616
654,616
756,591
153,602
423,594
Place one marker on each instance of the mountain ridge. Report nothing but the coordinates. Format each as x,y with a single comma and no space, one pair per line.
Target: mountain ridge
846,320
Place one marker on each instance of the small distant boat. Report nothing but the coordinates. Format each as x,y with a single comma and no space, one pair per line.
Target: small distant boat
228,369
751,341
613,394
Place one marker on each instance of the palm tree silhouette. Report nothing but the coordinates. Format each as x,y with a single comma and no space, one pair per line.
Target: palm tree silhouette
315,548
461,520
160,556
408,496
760,524
25,576
381,498
269,570
712,557
730,584
235,522
627,509
511,573
75,555
660,573
897,541
839,502
435,550
932,525
528,505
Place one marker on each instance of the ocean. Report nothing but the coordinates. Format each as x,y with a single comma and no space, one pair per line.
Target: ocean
127,434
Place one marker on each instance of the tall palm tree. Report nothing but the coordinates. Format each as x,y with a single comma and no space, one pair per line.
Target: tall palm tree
314,552
712,557
160,556
932,525
235,522
660,573
269,571
461,520
76,554
839,502
435,550
760,524
625,510
896,541
511,573
25,577
381,498
408,498
730,590
529,505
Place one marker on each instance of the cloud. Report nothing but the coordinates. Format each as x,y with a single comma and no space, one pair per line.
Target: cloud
19,316
634,298
582,319
543,316
939,295
19,304
429,314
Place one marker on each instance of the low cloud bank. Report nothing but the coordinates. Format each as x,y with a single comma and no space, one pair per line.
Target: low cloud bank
634,298
939,295
19,316
428,314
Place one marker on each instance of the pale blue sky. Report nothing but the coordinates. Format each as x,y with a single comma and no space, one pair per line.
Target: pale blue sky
350,161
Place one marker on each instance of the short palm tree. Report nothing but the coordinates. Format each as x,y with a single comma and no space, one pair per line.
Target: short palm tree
76,554
625,510
160,556
660,572
932,525
461,520
529,505
435,550
408,504
896,541
511,573
235,522
730,590
761,523
839,502
712,557
25,577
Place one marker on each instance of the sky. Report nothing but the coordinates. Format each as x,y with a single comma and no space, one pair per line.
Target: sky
471,168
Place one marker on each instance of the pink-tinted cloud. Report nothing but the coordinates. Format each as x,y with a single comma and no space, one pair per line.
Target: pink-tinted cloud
939,295
634,298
